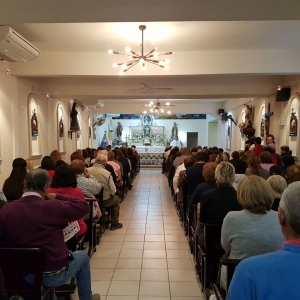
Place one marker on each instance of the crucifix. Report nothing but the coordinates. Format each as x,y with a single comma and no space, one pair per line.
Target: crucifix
267,119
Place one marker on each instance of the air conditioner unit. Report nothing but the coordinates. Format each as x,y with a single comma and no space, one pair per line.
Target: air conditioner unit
15,48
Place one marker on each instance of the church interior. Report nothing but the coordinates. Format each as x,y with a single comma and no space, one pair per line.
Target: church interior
228,59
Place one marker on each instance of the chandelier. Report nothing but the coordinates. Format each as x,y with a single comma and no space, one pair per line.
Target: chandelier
156,108
143,58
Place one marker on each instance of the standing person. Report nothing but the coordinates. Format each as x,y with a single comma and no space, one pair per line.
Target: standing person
274,275
258,148
270,140
45,230
13,185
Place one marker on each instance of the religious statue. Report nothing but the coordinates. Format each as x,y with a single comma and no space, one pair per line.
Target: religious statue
293,124
174,131
119,131
34,123
147,131
74,118
61,127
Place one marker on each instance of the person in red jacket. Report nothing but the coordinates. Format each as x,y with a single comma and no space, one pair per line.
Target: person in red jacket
33,222
258,148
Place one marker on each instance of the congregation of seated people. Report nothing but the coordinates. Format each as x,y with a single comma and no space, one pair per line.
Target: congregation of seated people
63,188
243,193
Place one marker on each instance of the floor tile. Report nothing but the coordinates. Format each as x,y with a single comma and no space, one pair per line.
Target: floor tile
100,287
102,274
104,263
175,238
134,238
114,238
154,263
154,230
182,275
136,253
111,245
173,231
154,275
185,289
127,274
121,298
154,238
180,264
135,231
124,288
178,253
154,245
108,253
155,253
176,245
133,245
129,263
154,288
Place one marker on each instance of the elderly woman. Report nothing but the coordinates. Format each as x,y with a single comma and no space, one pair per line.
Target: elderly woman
266,161
221,157
278,184
217,202
254,230
254,167
210,183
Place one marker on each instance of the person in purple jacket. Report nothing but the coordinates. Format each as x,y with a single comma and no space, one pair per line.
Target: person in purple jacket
34,222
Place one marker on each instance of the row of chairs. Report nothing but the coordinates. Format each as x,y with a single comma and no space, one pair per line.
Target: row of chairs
209,254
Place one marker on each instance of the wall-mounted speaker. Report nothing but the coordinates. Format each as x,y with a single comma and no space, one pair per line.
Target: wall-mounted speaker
284,94
221,111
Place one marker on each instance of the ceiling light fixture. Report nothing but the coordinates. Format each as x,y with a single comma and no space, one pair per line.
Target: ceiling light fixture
142,59
155,108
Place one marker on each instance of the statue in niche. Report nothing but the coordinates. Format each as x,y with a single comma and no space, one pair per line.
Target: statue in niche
147,131
174,131
119,131
34,124
74,118
262,127
61,127
293,124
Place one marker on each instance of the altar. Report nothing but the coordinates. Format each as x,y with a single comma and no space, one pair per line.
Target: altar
150,149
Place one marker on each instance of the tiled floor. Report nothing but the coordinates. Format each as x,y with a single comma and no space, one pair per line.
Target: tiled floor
148,258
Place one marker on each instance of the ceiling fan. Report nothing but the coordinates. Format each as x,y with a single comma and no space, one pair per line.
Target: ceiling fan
157,107
147,87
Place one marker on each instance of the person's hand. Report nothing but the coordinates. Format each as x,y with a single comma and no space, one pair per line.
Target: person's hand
51,196
86,173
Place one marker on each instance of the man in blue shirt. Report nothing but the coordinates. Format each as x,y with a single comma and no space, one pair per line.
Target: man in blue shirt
274,275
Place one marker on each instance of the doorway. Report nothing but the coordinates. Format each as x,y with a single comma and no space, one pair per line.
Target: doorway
191,139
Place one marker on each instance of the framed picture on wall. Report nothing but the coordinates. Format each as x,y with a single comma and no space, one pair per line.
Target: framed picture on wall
34,124
293,124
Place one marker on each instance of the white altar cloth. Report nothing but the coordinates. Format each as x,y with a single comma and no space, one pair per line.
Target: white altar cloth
150,149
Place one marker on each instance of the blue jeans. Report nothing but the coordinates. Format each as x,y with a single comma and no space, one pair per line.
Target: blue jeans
80,268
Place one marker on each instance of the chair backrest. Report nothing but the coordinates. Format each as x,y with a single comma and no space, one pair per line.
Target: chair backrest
212,239
231,264
14,262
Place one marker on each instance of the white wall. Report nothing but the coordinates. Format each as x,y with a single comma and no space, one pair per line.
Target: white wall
212,139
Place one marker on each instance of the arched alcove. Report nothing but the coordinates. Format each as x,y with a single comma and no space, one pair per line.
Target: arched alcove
60,129
292,138
262,130
34,131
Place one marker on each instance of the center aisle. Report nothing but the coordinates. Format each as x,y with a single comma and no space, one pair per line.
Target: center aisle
149,257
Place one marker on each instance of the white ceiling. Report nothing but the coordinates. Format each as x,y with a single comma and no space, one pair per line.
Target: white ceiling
224,50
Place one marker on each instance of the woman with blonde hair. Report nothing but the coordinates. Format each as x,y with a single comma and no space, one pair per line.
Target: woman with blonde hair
254,230
278,184
221,157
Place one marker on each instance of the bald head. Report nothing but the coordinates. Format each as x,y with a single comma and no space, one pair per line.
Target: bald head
101,158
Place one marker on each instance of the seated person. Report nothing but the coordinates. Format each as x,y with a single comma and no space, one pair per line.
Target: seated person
43,222
292,174
266,160
274,275
210,183
109,197
64,182
253,160
254,230
278,184
217,202
87,183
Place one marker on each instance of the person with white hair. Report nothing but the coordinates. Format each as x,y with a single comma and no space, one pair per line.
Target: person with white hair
109,189
274,275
